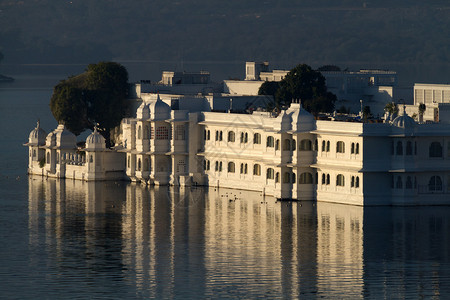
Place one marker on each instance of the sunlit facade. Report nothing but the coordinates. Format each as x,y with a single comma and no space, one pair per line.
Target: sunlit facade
289,156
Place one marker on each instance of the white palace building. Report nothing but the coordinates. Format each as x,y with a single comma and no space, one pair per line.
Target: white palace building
288,156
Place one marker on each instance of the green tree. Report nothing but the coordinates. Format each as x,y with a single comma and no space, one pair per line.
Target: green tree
329,68
391,108
422,108
269,88
68,106
308,85
97,96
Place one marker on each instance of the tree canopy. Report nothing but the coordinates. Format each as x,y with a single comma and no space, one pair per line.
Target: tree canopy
97,96
269,88
304,83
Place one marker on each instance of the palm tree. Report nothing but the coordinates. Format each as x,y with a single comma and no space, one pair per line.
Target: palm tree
422,109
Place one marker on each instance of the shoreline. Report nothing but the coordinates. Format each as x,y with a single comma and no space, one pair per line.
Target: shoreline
4,78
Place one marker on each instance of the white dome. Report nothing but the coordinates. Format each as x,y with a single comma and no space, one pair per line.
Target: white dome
143,111
302,120
95,141
404,121
283,122
61,138
37,136
159,110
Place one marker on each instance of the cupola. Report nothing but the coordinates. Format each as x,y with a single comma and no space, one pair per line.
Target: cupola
37,136
159,110
95,141
302,120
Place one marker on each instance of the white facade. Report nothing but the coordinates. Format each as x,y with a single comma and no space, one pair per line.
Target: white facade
57,155
290,156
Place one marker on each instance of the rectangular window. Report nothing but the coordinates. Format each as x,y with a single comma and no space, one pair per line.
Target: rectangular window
180,132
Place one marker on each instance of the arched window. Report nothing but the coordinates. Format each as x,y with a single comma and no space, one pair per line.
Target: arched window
257,169
399,184
305,145
270,173
357,182
340,180
352,182
328,179
208,135
244,137
435,183
245,169
220,166
408,183
409,149
399,148
34,153
48,157
231,136
217,136
231,167
340,147
257,138
328,146
316,145
277,177
323,179
352,148
220,136
91,159
324,146
435,149
294,145
306,178
206,165
270,141
277,144
139,164
128,162
287,145
57,158
216,168
293,178
139,132
357,148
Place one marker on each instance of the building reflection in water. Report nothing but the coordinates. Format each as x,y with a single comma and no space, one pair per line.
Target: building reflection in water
194,242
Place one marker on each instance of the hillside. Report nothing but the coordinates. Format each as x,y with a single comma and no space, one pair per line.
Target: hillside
285,31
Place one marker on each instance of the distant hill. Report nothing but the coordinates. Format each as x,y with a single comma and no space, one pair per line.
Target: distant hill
286,31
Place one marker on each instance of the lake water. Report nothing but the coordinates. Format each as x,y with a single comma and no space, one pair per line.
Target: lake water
116,240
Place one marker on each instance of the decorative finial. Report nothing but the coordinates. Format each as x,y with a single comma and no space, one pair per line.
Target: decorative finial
38,124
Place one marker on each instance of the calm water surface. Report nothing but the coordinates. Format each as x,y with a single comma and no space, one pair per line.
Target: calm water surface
114,240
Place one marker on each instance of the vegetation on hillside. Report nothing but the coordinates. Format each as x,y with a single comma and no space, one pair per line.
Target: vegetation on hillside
285,31
97,96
